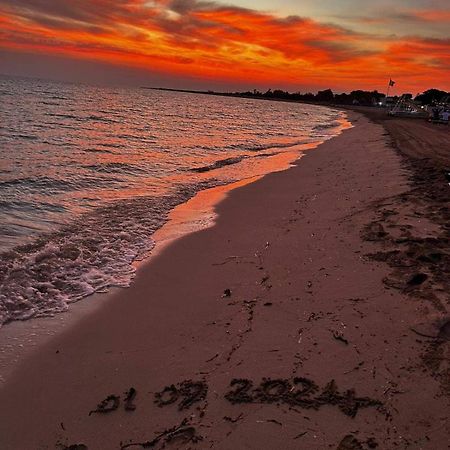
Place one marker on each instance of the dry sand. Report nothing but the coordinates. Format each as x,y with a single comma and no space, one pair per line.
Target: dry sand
231,337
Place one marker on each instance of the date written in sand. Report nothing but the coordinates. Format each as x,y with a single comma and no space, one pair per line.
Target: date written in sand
297,392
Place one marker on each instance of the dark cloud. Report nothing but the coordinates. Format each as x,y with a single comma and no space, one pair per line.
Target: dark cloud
75,10
339,51
187,6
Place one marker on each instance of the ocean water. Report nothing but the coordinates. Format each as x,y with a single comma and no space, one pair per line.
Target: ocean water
88,174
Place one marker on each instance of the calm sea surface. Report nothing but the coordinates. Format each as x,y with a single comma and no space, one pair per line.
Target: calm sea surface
87,174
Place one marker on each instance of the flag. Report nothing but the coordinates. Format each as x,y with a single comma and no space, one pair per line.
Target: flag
391,82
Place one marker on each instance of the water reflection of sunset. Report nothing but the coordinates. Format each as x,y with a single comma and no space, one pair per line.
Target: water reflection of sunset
93,147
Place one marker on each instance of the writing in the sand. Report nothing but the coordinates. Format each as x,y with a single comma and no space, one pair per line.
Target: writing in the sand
297,392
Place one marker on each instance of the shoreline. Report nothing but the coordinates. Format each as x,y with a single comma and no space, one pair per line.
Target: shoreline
20,338
110,261
305,300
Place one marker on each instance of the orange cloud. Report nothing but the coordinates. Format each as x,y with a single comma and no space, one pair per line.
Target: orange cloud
203,39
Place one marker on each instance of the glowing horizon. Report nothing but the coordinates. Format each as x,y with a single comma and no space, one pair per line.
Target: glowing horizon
237,46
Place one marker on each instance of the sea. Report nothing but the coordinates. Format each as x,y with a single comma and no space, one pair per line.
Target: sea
89,173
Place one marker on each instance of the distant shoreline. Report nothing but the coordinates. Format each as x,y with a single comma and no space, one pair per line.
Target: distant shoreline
327,97
241,95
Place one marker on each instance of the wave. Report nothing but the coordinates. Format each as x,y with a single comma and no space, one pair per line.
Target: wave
28,137
39,182
268,146
218,164
14,204
52,185
63,116
228,161
116,167
324,126
22,204
92,254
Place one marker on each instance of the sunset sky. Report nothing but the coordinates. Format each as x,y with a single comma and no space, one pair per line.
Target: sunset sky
295,45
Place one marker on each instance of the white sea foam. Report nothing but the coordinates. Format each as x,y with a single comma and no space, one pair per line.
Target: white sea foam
92,254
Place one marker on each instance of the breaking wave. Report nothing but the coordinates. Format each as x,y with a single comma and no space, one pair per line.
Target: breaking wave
90,255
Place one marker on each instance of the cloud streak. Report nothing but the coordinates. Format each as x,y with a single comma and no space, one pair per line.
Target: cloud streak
209,40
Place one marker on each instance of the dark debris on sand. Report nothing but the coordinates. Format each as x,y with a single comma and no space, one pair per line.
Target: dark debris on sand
421,264
420,260
350,442
178,435
75,447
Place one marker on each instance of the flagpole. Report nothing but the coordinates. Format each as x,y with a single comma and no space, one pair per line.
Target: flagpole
389,86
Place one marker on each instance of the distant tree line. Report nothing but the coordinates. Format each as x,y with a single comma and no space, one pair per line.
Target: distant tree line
432,96
358,97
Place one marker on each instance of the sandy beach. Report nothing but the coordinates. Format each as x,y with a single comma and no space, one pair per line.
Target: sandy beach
314,314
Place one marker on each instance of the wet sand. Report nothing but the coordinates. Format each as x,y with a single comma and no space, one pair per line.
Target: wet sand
313,315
